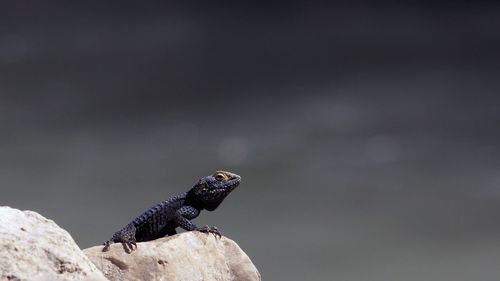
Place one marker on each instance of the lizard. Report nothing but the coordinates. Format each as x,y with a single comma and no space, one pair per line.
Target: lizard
177,211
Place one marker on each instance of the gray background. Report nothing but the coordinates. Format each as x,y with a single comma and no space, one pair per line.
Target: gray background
367,135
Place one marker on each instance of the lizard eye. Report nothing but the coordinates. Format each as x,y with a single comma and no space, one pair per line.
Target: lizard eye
220,176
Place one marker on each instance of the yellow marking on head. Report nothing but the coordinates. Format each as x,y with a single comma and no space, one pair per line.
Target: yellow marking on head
221,175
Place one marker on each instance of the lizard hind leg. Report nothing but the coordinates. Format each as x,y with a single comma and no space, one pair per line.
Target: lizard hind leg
126,236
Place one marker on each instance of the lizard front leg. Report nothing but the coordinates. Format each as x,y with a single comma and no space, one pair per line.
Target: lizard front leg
183,216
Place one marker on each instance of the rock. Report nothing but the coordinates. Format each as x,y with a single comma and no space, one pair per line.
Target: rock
35,248
182,257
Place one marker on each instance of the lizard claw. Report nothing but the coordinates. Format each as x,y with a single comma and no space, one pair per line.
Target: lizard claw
131,245
215,231
211,229
106,246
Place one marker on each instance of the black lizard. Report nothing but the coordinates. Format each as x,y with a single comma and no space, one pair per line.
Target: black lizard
177,211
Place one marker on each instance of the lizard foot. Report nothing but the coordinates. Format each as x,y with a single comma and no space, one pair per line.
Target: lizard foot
126,236
129,246
106,246
211,229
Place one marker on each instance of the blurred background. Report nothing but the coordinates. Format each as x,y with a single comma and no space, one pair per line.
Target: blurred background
367,135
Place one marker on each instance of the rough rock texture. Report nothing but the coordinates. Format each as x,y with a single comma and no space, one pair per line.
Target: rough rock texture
35,248
182,257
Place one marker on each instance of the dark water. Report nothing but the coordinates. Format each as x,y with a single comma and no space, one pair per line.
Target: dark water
367,137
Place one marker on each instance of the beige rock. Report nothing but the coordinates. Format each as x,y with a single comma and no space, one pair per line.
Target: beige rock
183,257
35,248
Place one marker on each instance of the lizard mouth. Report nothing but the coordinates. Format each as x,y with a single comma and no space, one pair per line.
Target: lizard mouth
233,183
226,188
229,185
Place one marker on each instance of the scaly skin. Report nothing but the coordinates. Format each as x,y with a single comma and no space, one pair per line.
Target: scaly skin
178,211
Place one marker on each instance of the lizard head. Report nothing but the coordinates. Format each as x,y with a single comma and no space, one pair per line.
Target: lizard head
211,190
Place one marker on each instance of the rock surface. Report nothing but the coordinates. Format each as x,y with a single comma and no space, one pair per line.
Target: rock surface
182,257
35,248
